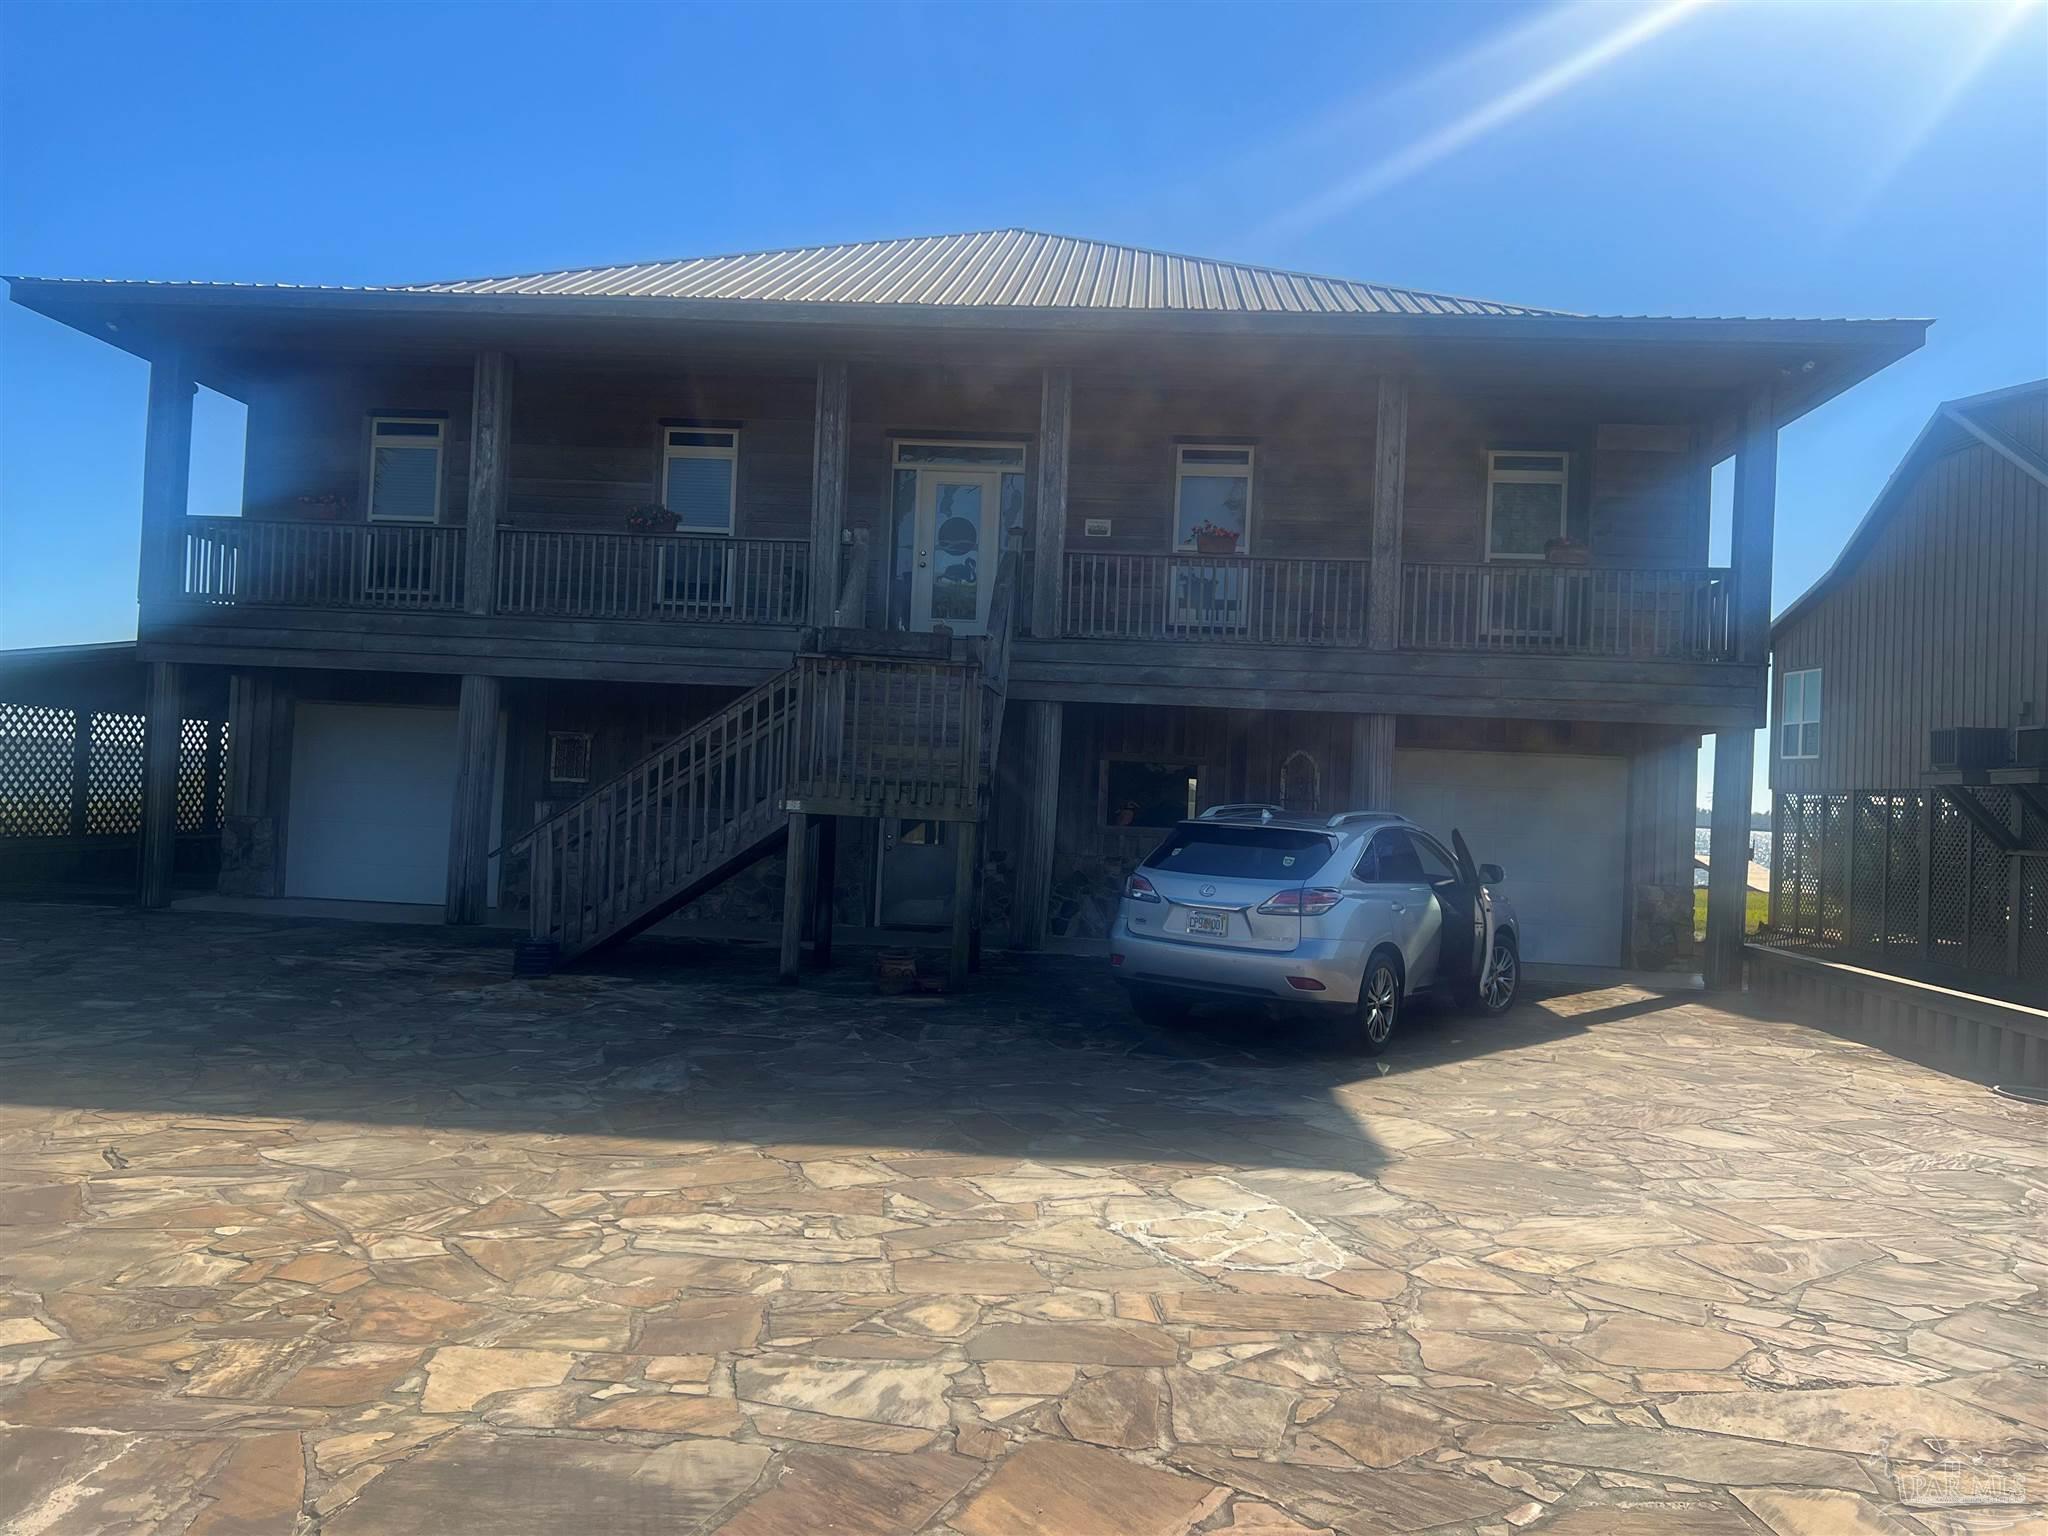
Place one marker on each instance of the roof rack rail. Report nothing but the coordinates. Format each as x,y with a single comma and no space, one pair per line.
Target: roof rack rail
1342,817
1241,812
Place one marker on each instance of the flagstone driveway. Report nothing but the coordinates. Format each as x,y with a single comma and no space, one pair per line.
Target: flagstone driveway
310,1228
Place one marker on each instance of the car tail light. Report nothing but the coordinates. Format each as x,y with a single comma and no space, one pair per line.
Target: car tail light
1116,960
1138,888
1304,901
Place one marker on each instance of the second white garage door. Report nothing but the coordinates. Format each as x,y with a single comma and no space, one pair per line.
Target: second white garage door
372,789
1557,825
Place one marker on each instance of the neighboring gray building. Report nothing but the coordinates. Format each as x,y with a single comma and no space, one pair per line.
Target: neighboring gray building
1909,758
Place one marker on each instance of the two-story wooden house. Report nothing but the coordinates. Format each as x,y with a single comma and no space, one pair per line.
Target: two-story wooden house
1909,739
950,570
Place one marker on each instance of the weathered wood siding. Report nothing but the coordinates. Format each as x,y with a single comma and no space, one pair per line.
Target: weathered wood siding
1637,493
1312,459
308,435
1943,621
586,445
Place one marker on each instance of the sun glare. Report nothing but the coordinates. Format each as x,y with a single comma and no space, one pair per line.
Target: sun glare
1970,37
1639,27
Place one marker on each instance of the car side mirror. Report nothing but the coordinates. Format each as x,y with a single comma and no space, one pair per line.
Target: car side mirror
1491,874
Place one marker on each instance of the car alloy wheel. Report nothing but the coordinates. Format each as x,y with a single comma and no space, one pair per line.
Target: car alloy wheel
1382,1002
1500,986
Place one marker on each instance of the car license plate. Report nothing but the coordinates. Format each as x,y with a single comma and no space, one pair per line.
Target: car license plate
1202,920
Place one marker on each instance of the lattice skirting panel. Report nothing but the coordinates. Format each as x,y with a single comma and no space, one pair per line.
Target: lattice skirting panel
1913,882
74,773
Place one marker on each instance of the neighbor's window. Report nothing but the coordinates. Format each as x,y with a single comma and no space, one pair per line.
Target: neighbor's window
1799,718
1525,503
405,468
1148,794
699,479
1212,500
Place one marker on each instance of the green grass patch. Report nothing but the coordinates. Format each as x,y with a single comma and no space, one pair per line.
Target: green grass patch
1753,917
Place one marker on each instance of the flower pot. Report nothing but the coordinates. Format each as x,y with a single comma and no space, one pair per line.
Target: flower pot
1215,544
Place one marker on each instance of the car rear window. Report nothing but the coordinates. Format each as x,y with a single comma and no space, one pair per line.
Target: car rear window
1244,853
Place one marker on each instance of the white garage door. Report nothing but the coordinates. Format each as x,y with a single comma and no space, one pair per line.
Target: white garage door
372,790
1557,825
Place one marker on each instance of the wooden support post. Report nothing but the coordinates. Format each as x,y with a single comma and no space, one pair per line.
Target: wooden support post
828,489
1752,533
164,721
964,893
81,772
1389,482
490,443
1049,558
795,892
1044,723
470,833
1372,763
1728,862
166,479
2016,892
821,893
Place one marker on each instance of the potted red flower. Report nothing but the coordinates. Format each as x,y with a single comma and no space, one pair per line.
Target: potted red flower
328,508
1567,552
650,517
1214,539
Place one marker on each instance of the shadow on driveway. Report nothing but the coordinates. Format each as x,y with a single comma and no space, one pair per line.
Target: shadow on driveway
113,1010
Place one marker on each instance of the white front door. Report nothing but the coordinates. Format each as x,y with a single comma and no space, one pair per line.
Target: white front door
958,520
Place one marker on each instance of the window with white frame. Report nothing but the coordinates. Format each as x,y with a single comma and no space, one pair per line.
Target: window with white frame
1799,715
405,469
1212,499
699,477
1525,502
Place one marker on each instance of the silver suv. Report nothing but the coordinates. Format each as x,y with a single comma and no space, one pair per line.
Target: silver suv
1352,913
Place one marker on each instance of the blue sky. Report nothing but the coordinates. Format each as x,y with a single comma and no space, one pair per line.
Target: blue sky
1687,158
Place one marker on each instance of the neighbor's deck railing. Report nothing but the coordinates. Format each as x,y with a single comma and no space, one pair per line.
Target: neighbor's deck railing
1568,610
232,560
699,579
1215,598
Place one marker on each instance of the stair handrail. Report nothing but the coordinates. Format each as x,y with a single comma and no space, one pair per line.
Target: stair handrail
674,744
995,649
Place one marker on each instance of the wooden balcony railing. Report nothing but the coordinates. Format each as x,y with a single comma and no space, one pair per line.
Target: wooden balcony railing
232,560
1227,599
692,578
1672,615
895,734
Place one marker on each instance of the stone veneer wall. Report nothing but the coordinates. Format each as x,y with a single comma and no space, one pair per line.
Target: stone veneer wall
248,856
1661,929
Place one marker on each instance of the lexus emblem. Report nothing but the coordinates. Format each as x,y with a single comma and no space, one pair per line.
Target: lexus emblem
1207,890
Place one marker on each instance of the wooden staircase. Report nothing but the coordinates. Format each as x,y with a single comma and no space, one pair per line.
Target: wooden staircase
861,725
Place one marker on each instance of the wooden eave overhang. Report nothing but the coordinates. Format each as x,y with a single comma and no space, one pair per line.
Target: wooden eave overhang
1804,362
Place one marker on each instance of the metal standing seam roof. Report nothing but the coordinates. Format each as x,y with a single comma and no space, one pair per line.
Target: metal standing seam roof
1002,268
989,269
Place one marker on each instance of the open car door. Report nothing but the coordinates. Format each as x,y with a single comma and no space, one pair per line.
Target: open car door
1482,908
